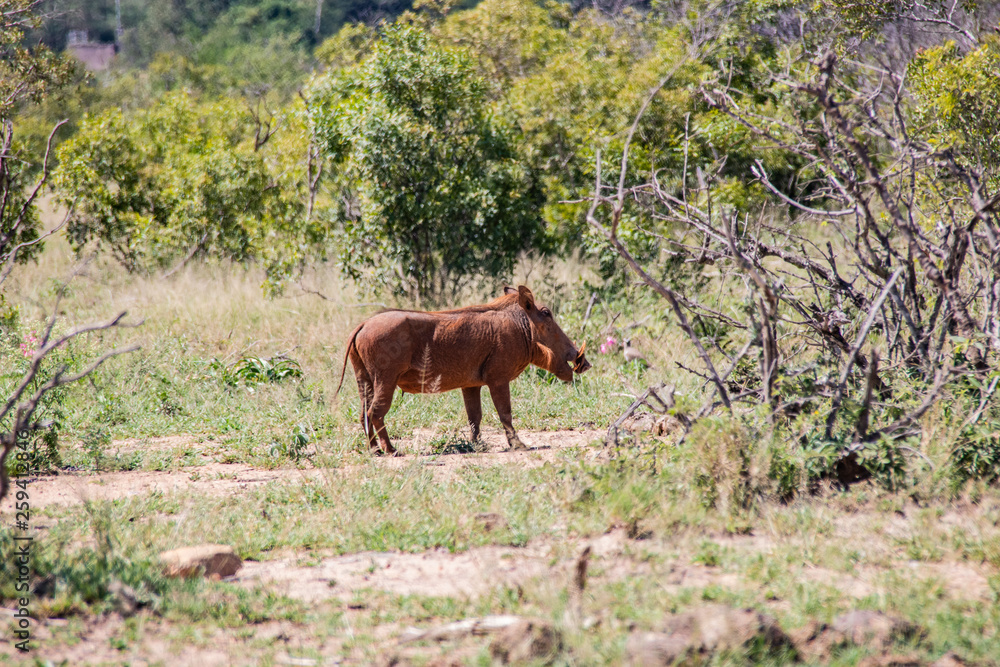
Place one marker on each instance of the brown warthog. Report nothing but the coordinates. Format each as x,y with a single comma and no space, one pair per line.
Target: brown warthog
462,349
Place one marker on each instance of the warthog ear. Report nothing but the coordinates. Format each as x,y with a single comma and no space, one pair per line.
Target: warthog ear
525,297
507,289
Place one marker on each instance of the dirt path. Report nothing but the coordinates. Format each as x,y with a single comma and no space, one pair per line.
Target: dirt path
214,478
479,570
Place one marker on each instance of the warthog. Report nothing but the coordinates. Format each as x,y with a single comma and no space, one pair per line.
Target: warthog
487,345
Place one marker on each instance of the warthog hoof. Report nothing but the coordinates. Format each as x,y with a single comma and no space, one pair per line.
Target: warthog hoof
516,445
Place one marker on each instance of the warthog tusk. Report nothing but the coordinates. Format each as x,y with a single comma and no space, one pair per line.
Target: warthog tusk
579,356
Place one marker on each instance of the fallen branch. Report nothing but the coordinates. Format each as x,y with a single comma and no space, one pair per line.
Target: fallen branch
460,629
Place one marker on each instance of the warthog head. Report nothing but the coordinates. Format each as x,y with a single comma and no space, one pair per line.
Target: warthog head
551,348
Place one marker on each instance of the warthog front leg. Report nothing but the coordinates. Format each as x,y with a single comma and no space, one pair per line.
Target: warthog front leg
474,409
501,400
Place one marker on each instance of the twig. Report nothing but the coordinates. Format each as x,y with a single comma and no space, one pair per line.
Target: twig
198,246
663,290
759,172
858,342
590,306
346,305
974,417
863,416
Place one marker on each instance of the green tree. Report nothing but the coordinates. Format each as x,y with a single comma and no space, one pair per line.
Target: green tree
185,179
958,97
437,192
164,182
26,76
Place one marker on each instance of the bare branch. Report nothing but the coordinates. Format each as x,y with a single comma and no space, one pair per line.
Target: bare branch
23,402
852,356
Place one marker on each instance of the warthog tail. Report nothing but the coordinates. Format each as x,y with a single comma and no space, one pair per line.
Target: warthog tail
347,353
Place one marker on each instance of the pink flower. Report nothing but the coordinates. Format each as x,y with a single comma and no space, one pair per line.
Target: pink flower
29,346
608,345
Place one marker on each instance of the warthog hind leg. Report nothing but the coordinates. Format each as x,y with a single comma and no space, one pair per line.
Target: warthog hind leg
380,405
474,409
501,400
366,390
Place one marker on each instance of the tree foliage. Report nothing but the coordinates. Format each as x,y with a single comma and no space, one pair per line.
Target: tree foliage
958,101
26,76
174,179
185,179
434,188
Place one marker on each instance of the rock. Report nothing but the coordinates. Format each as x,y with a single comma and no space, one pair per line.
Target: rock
723,628
642,422
892,660
949,659
392,660
705,630
529,640
296,662
873,628
458,660
209,560
666,425
45,587
655,649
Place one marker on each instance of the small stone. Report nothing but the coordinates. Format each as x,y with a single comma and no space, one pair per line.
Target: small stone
205,560
873,628
655,649
666,425
528,640
296,662
448,661
724,628
392,660
45,587
949,659
892,660
705,631
815,641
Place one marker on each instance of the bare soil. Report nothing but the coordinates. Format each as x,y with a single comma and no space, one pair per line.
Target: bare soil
214,478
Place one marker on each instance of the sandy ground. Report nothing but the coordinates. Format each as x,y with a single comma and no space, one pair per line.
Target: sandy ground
213,478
